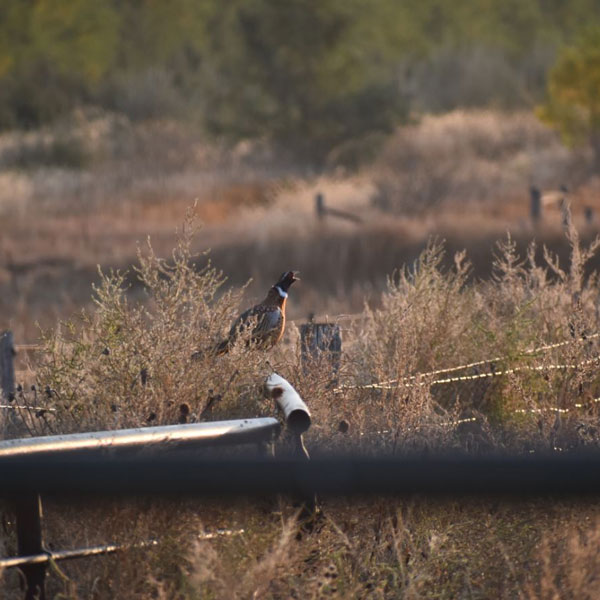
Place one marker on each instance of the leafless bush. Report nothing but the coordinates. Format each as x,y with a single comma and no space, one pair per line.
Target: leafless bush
470,157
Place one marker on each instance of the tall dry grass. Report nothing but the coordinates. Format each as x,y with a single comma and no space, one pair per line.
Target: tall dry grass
127,361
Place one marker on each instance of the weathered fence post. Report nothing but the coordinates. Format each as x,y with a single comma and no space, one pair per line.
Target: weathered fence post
565,211
7,381
294,409
588,213
320,341
323,211
297,419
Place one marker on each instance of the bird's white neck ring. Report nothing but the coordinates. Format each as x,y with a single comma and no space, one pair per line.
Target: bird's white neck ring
281,292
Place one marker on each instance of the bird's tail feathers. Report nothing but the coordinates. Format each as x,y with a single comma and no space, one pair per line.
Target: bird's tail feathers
221,348
217,350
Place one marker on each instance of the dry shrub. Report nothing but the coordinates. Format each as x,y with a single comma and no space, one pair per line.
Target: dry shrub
434,320
479,156
128,363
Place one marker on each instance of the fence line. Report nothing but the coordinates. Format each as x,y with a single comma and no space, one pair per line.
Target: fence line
358,316
410,381
577,405
523,411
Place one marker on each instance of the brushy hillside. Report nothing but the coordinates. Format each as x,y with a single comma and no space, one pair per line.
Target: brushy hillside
473,158
533,325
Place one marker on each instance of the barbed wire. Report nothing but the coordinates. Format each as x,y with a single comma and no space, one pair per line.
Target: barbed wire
410,381
462,421
28,347
21,407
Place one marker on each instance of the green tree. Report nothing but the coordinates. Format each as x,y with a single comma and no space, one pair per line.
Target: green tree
53,53
298,73
573,103
77,37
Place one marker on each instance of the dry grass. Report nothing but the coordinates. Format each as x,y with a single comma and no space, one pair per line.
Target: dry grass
125,361
430,318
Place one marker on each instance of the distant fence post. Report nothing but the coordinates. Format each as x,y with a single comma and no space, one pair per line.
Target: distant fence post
321,340
588,213
565,211
322,211
320,206
535,205
7,369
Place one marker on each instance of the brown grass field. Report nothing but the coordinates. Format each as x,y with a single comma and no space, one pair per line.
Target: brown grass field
444,268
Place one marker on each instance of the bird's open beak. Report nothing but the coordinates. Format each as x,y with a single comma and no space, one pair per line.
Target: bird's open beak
295,276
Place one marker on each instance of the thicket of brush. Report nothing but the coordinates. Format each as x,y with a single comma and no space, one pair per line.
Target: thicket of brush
127,363
474,157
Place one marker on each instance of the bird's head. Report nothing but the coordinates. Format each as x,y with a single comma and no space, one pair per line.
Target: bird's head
285,281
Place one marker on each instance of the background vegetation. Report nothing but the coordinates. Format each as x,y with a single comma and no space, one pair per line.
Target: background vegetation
309,77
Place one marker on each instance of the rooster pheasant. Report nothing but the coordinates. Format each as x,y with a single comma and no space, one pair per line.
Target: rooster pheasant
267,318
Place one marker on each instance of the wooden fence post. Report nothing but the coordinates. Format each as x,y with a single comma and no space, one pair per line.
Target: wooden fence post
321,340
322,211
535,204
565,211
7,381
320,206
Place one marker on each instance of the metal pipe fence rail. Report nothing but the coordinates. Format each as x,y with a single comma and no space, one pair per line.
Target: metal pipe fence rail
167,447
106,447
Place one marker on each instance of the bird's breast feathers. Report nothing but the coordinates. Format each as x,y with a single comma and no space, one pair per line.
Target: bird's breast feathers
274,318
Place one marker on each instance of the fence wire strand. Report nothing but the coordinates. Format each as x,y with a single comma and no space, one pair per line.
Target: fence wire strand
411,381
